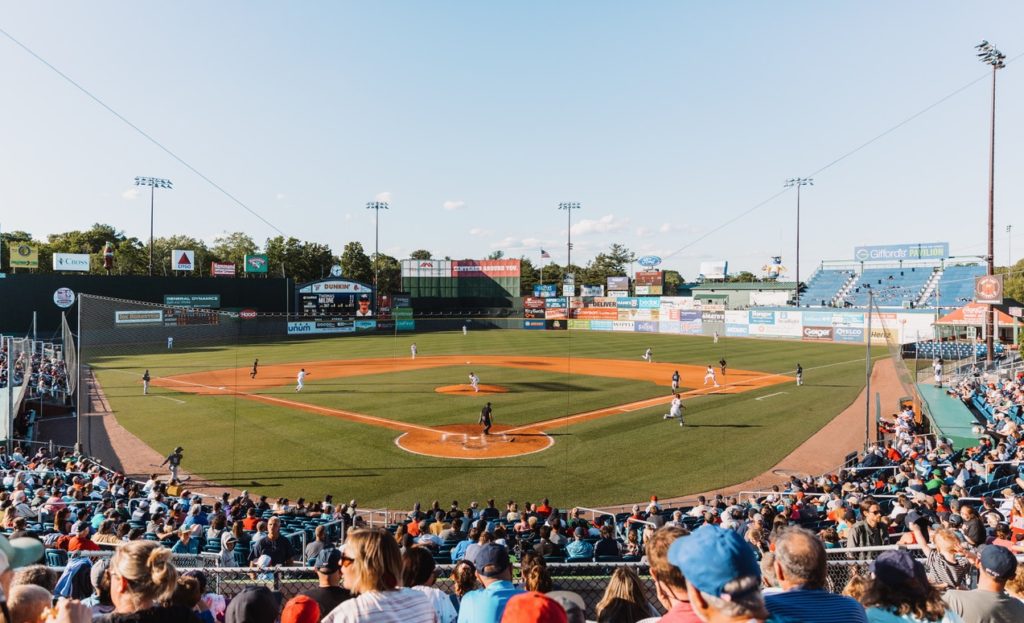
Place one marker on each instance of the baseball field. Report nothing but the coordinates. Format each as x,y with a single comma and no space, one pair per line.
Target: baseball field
577,415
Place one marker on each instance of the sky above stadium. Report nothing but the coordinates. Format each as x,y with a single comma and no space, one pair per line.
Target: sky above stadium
673,124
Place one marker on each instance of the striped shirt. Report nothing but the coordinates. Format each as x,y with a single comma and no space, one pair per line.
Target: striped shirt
813,606
399,606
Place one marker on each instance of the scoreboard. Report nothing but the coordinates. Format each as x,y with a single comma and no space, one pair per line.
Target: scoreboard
335,298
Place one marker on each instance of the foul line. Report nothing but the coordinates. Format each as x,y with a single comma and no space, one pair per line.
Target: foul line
770,395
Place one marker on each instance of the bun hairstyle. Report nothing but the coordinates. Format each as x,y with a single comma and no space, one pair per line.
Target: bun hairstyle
148,569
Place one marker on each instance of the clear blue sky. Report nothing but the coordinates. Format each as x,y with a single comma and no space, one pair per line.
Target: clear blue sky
475,119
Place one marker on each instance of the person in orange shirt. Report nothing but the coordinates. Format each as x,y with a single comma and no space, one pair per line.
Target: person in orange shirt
544,509
80,540
250,521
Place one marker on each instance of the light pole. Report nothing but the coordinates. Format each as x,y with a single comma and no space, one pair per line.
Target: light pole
1009,247
568,207
376,206
989,55
798,182
153,183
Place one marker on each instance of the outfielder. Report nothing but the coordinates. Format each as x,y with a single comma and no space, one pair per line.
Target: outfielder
710,376
255,369
145,383
648,356
799,375
474,382
715,336
412,350
300,379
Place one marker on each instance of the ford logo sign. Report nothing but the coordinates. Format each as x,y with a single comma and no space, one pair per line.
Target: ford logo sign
649,261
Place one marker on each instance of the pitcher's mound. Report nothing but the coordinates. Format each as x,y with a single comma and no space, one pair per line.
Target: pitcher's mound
467,441
467,390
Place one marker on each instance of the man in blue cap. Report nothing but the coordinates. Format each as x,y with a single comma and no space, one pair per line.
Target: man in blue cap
723,579
494,572
989,602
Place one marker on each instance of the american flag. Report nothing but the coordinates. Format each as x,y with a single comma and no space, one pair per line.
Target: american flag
544,255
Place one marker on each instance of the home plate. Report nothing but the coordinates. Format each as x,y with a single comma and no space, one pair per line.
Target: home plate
770,395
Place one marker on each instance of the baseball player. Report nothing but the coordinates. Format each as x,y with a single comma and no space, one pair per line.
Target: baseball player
173,462
474,382
715,336
799,375
300,379
170,342
710,376
145,383
255,369
465,329
675,381
412,350
485,418
648,355
676,410
721,364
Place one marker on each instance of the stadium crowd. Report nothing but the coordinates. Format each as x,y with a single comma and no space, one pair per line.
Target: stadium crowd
48,376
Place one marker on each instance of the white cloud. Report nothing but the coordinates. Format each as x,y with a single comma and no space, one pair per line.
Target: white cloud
131,194
643,232
348,216
479,231
605,224
279,196
384,196
452,205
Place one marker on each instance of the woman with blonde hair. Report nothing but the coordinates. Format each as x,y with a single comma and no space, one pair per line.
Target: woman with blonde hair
141,577
371,567
624,600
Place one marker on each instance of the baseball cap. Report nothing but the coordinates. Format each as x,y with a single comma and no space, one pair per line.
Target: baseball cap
21,551
955,520
328,560
711,557
491,560
364,297
897,567
575,607
533,607
79,526
998,562
255,604
301,609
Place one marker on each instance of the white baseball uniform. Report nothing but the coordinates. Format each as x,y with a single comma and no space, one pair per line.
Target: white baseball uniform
710,376
648,356
474,381
412,349
299,380
170,342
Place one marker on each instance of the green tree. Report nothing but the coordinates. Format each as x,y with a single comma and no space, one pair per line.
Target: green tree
1013,283
355,264
234,247
608,264
389,274
496,255
420,254
743,277
302,261
672,282
163,247
529,276
131,256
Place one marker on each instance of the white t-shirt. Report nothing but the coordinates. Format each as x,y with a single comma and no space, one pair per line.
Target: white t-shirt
442,603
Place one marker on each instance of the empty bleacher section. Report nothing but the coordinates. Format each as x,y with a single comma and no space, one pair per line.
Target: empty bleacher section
824,287
957,285
953,350
893,287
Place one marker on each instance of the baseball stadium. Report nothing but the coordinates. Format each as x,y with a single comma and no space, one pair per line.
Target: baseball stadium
201,427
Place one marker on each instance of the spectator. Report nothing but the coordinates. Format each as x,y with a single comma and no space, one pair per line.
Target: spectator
371,566
329,593
632,547
141,574
99,602
871,531
459,551
533,608
669,583
535,574
623,600
580,548
723,579
226,557
948,564
300,609
27,603
898,590
544,546
80,540
989,602
318,544
607,545
278,548
463,581
419,572
494,571
40,575
800,568
255,604
186,544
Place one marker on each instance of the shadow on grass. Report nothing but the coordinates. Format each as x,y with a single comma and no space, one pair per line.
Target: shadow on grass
361,472
725,426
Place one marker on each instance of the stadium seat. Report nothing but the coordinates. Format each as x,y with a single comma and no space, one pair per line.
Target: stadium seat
56,558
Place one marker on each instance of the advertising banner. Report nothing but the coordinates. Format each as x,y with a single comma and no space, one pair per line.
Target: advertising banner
579,324
622,325
78,262
737,330
848,319
712,316
668,326
533,313
256,263
762,317
690,315
205,301
988,289
400,300
627,302
183,260
591,290
405,324
337,286
484,268
533,302
545,290
597,313
601,325
736,316
649,302
645,326
771,298
560,324
618,284
64,297
23,255
144,316
649,261
638,314
817,318
618,293
555,312
603,301
222,269
427,268
912,251
568,291
691,328
365,325
848,334
817,334
649,290
714,270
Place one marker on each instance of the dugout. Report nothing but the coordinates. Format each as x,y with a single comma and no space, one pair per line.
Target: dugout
23,294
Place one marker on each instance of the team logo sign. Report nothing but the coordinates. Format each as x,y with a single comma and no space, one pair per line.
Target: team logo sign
256,263
64,298
988,289
183,260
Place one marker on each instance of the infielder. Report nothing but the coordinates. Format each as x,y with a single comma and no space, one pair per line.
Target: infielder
300,379
675,381
255,369
474,382
799,375
412,350
721,364
710,376
648,356
676,410
145,383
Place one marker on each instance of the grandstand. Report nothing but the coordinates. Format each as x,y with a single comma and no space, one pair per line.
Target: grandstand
824,286
892,287
956,286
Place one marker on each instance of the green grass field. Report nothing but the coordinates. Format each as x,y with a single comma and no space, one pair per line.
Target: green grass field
285,452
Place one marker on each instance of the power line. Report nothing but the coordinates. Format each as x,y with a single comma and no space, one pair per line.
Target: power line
141,131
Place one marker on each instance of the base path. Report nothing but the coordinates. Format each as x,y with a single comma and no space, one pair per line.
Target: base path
462,441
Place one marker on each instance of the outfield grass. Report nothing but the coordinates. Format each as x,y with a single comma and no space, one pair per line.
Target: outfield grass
286,452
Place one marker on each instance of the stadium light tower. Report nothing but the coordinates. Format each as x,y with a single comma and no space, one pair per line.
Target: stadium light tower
798,182
153,183
990,55
568,207
376,206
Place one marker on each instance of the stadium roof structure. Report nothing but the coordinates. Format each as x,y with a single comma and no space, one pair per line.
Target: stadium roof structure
973,315
744,285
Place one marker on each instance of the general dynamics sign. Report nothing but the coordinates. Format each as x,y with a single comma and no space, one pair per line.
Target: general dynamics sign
917,251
